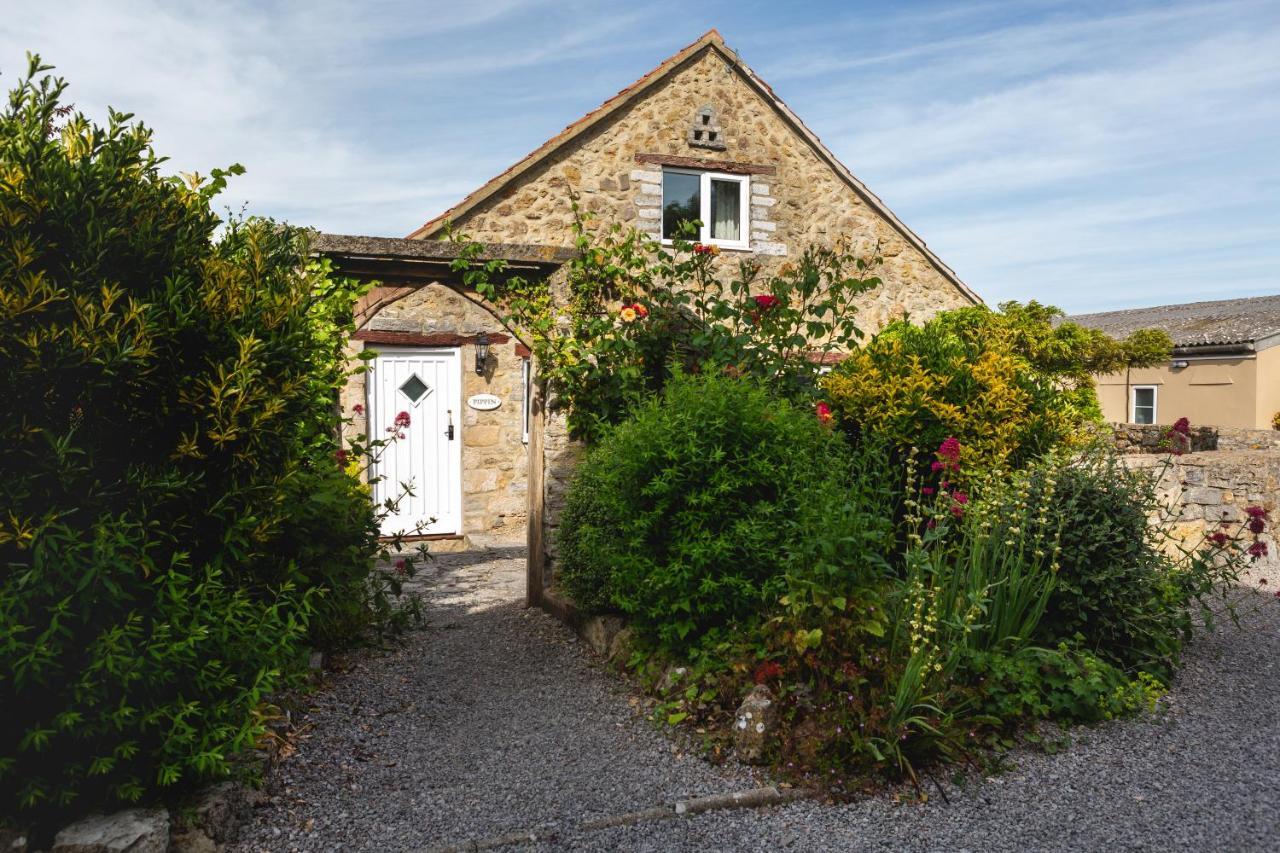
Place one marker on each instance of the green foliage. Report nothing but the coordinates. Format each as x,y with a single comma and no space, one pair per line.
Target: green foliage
1064,683
635,309
1117,588
680,516
1010,385
174,528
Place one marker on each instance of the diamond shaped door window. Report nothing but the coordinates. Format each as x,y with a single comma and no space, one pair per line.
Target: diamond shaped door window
415,389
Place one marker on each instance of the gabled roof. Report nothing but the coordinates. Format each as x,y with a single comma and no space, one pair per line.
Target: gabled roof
711,40
1249,324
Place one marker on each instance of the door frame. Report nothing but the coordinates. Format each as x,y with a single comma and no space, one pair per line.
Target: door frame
371,388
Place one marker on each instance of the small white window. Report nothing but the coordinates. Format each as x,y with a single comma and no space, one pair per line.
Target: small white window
1144,405
721,202
526,375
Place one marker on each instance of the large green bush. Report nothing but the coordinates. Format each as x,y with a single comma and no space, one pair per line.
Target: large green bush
1118,590
172,515
682,515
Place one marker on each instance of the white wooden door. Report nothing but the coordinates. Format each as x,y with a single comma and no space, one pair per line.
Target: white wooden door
425,384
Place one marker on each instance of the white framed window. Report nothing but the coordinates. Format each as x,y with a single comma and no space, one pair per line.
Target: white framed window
526,377
720,201
1142,405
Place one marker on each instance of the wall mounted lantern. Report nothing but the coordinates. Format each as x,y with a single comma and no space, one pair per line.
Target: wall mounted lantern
482,352
1179,364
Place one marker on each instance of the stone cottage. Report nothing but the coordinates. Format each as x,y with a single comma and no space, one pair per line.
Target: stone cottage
700,137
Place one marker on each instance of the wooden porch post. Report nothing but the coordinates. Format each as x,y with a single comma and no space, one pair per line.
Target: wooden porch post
537,498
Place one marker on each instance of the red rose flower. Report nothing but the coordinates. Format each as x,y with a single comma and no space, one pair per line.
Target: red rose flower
823,411
766,301
767,671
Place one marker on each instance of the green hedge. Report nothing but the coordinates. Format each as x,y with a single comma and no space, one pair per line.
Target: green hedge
173,516
683,515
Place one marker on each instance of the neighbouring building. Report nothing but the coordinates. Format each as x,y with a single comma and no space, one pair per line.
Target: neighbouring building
1225,369
699,137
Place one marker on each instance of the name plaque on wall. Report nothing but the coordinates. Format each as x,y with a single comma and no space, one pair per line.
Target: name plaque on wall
484,402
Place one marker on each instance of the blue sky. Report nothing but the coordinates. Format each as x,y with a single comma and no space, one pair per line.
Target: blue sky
1090,155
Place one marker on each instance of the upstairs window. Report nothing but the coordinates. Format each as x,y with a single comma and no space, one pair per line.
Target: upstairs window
721,202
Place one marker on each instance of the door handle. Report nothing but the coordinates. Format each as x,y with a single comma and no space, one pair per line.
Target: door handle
449,429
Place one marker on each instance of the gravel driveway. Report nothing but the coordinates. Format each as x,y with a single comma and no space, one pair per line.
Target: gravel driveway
495,719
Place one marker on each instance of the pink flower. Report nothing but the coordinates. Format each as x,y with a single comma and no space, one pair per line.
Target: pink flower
1257,525
1218,538
936,467
1256,512
1182,425
358,409
766,302
402,420
960,498
1257,549
402,567
949,449
823,411
927,490
340,456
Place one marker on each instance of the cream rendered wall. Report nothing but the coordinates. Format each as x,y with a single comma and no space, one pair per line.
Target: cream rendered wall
1268,386
1210,392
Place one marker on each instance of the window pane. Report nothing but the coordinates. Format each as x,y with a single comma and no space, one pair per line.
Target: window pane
681,201
726,210
1144,405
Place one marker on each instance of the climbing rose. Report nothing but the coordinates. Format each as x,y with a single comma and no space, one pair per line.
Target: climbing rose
767,670
823,411
766,302
703,249
402,420
628,313
640,310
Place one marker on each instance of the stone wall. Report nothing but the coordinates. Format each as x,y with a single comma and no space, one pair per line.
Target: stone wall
802,202
1148,438
1208,491
494,455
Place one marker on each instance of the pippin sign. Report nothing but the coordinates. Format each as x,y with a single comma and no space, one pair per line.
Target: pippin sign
484,402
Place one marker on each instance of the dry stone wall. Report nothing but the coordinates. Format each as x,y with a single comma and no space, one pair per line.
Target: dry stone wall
1208,491
1150,438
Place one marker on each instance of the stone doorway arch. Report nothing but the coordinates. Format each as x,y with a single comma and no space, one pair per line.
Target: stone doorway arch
419,300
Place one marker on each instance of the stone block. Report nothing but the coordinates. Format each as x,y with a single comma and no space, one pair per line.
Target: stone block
601,631
764,225
755,726
651,189
130,831
482,436
646,176
474,481
1203,495
1193,476
649,212
763,201
764,248
759,189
